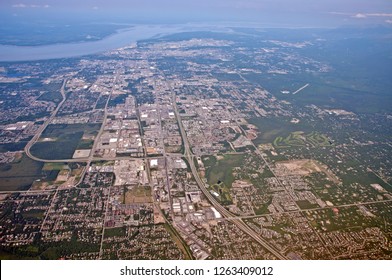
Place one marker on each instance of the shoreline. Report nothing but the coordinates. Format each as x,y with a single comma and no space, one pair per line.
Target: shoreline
121,38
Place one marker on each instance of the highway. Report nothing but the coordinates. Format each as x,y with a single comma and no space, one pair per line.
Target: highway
90,158
45,124
28,191
223,211
312,209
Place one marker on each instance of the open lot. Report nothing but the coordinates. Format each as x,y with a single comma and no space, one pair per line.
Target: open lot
220,169
20,174
137,195
68,139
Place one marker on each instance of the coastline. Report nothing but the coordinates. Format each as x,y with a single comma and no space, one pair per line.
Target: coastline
121,38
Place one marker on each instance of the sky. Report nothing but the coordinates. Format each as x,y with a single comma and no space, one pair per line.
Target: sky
306,13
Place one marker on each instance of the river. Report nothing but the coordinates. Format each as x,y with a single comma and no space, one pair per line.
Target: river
10,53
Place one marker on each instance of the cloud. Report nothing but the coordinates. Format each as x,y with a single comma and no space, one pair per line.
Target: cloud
23,6
379,15
339,13
95,8
359,16
388,21
19,6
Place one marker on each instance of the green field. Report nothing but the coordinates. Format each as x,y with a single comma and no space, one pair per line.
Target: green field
35,214
85,144
300,139
271,128
304,204
221,170
68,138
139,194
114,232
263,209
12,147
19,175
224,193
49,166
53,93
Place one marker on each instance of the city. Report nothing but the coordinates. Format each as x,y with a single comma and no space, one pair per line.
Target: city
172,148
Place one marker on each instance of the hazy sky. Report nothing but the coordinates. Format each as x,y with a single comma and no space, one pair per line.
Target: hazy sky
284,12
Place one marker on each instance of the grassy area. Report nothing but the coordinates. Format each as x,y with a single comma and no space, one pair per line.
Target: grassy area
363,178
304,204
104,163
67,139
12,147
19,175
138,194
9,256
24,253
221,170
54,166
271,128
173,149
112,232
55,150
263,209
37,214
85,144
224,193
53,95
300,139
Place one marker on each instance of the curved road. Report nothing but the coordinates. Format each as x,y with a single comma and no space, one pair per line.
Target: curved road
43,127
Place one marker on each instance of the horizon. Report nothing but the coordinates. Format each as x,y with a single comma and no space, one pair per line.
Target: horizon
278,13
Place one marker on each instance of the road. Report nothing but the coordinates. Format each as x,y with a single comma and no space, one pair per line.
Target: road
87,159
223,211
103,225
45,124
90,158
28,191
312,209
301,89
